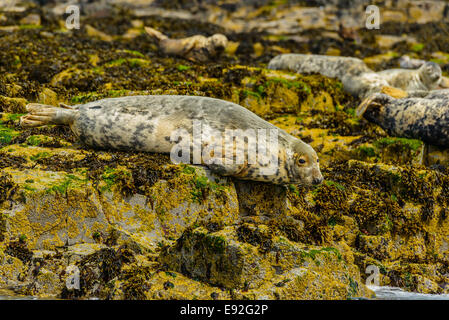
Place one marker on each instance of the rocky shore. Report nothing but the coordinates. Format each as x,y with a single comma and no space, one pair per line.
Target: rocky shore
136,226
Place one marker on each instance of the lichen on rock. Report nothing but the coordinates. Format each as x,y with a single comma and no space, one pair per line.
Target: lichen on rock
136,226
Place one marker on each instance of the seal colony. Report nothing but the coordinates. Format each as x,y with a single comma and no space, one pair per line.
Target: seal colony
425,118
147,123
196,48
357,78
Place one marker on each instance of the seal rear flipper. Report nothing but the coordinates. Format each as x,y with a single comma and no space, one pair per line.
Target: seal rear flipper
42,114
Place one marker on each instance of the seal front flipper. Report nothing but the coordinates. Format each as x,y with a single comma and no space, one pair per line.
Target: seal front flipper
360,110
159,36
372,102
42,114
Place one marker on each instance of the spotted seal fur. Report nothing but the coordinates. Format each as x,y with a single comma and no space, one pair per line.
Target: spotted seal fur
146,123
426,119
357,78
196,48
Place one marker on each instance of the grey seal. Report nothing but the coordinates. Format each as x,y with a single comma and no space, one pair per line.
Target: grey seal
426,119
146,123
357,78
196,48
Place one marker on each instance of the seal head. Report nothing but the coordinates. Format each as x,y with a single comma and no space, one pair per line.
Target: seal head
218,42
430,74
304,168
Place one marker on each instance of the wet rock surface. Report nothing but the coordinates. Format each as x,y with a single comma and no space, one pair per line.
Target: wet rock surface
135,226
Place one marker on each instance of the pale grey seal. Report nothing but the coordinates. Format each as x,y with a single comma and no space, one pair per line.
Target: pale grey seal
196,48
146,123
357,78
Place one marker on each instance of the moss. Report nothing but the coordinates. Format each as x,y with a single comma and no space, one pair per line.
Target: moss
182,67
135,53
133,62
6,134
70,181
201,185
407,143
29,26
417,47
365,152
245,93
40,155
118,178
36,140
215,243
14,116
336,184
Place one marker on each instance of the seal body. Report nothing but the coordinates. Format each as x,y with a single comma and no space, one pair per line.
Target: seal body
357,78
162,123
329,66
425,78
417,118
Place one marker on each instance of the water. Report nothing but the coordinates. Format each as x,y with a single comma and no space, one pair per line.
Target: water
393,293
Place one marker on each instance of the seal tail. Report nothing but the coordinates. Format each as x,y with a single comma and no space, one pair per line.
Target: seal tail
42,114
159,36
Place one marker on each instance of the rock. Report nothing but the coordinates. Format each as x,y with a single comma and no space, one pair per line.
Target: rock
388,41
132,33
425,285
376,60
173,209
394,16
215,258
427,11
37,210
48,96
136,23
31,19
9,28
79,251
12,6
92,32
12,105
11,269
47,284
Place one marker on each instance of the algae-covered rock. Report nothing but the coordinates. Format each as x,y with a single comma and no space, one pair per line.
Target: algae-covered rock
132,225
